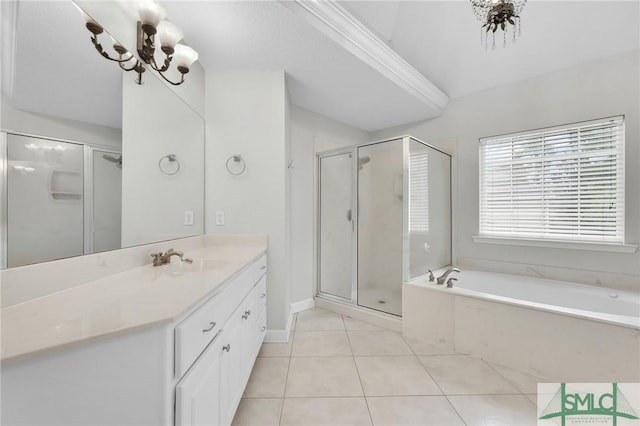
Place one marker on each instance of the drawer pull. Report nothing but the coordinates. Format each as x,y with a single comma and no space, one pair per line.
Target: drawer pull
212,324
263,328
263,267
226,347
263,295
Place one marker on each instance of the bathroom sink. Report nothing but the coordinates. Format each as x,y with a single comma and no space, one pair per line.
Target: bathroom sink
198,265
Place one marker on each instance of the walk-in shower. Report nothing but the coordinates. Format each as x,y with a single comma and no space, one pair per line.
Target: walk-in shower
63,199
384,217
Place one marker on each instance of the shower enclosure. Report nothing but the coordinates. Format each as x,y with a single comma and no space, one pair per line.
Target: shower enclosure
384,218
63,199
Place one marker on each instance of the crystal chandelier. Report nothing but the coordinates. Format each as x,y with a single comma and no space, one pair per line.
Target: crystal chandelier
498,14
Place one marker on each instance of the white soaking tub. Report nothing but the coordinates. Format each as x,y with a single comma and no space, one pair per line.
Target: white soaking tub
553,329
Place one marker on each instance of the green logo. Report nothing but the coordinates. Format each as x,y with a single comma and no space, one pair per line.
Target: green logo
612,404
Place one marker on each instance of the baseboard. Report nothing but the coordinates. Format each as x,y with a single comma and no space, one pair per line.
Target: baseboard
282,336
390,322
302,305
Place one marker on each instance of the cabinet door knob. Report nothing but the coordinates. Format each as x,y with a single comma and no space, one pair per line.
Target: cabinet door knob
263,267
226,347
263,328
212,324
263,295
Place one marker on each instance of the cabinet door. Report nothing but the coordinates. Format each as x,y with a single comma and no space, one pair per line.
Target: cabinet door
231,386
198,393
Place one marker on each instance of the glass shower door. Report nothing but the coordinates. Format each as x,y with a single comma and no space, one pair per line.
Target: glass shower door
336,226
380,226
44,200
107,200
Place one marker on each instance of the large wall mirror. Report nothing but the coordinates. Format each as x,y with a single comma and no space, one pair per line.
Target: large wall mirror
90,160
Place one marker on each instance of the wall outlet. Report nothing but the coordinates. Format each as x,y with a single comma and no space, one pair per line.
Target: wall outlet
188,217
220,218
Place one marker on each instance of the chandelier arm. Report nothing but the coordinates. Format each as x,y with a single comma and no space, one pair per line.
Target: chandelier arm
132,67
171,82
98,46
165,65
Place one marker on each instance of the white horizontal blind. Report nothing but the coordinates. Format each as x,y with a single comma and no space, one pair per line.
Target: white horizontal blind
419,192
561,183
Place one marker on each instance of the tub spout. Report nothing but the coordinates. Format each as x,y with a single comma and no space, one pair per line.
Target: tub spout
442,278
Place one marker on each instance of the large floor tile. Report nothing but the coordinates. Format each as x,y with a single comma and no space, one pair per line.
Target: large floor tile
394,375
495,410
462,374
321,343
325,412
268,378
275,349
258,412
354,324
412,411
525,383
421,347
379,342
318,319
322,377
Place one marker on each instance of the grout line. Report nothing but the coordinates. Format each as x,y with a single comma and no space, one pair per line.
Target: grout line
437,384
286,380
364,395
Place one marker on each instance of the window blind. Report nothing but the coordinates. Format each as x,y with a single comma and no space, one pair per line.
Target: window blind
419,192
561,183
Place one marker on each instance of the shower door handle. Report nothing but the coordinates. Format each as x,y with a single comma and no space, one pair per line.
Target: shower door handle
349,215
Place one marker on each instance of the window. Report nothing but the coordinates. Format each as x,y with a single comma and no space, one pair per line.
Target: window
419,192
561,183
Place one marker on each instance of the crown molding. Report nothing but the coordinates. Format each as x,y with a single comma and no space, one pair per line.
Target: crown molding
333,20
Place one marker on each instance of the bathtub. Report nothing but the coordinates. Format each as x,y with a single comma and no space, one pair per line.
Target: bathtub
552,329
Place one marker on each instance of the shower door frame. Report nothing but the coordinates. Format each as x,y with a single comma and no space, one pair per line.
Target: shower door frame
353,150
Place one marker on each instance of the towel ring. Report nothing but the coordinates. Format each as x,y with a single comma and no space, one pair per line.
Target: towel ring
171,158
236,159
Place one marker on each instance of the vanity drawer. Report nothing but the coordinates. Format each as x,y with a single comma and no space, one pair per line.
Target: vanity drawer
194,333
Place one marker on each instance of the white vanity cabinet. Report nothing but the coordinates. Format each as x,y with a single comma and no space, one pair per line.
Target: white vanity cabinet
191,370
211,389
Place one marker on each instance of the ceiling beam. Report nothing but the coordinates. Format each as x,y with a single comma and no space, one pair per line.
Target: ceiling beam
333,20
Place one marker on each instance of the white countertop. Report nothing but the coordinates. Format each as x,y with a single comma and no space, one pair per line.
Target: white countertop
120,303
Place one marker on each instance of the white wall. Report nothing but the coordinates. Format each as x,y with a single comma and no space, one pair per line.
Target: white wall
247,115
156,123
311,133
601,89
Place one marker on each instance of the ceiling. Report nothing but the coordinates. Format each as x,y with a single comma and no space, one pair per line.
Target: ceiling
63,75
57,71
441,39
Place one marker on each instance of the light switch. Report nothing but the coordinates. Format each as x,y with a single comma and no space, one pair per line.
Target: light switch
220,218
188,217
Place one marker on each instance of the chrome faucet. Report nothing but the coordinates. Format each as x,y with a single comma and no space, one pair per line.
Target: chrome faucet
160,258
442,278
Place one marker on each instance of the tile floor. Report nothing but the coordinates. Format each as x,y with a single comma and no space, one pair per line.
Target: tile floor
339,371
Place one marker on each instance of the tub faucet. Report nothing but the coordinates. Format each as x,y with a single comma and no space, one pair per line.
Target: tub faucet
442,278
160,259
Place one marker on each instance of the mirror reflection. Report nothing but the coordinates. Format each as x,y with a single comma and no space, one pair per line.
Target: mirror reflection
80,174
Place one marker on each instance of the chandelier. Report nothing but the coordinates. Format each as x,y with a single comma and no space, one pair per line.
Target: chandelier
154,34
498,14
